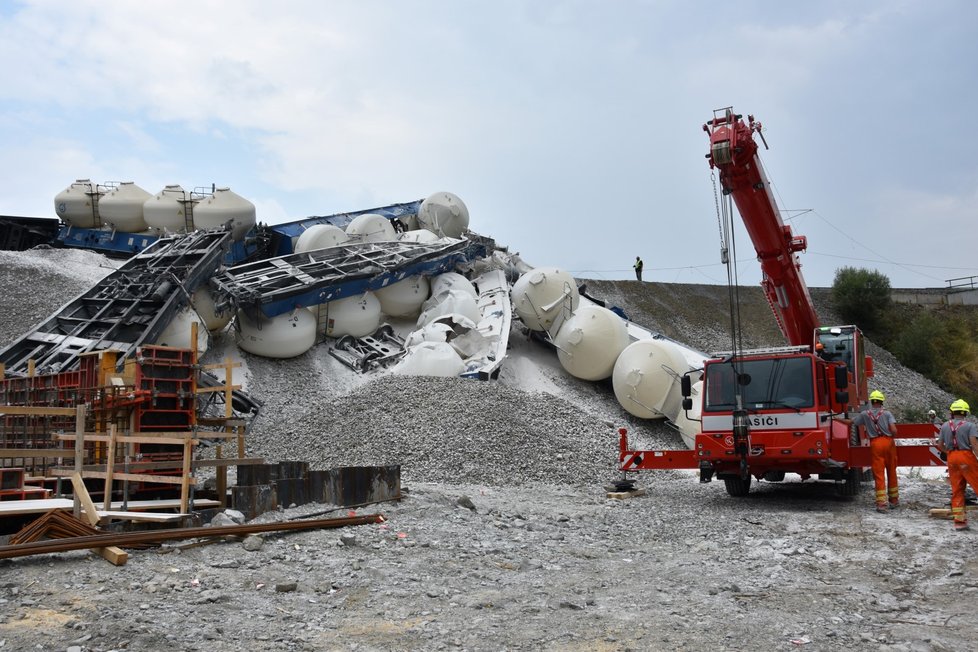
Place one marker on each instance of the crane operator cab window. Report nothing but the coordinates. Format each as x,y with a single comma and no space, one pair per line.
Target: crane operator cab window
763,384
836,346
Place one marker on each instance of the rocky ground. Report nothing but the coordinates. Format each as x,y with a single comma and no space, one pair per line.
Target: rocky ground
505,538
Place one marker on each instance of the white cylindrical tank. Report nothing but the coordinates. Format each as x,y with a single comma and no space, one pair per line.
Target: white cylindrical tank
420,236
203,302
122,208
543,295
357,316
222,207
319,236
452,281
645,379
284,336
77,205
404,298
430,359
589,342
371,227
444,214
166,211
177,333
690,426
449,302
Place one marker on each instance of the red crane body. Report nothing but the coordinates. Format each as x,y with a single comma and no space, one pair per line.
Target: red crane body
768,412
733,153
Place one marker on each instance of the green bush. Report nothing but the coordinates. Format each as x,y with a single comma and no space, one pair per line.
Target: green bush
861,296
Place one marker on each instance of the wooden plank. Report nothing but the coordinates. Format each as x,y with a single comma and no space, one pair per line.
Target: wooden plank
185,476
229,461
138,477
79,453
221,365
37,411
40,505
109,468
88,505
18,453
211,390
133,440
151,517
945,512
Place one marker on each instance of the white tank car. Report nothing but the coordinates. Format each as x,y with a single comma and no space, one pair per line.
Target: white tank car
222,207
177,333
420,236
404,298
166,211
543,296
319,236
203,302
357,316
445,214
122,208
645,379
589,342
77,205
452,281
690,426
371,227
284,336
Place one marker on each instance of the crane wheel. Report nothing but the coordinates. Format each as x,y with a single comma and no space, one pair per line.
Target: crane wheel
851,483
736,485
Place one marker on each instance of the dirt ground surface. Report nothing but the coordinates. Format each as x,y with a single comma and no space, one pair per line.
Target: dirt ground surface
684,567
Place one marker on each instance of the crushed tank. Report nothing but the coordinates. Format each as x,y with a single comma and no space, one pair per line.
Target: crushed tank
284,336
452,281
371,227
222,207
404,298
449,302
589,342
544,296
122,208
430,359
166,211
77,205
319,236
444,214
646,379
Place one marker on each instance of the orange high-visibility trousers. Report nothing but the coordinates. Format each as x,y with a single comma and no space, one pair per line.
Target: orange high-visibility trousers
962,466
884,457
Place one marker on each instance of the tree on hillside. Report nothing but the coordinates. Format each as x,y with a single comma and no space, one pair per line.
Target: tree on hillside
861,296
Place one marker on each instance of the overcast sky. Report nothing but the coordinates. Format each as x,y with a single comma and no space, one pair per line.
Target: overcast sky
571,130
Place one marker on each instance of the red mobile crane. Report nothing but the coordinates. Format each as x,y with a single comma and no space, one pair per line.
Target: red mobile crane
769,412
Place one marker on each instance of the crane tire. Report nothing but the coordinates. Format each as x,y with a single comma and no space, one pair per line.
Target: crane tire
736,485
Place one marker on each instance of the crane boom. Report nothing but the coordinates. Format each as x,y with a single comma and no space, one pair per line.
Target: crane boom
734,153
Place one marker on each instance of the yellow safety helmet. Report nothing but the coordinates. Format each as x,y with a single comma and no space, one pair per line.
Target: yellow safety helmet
877,395
960,406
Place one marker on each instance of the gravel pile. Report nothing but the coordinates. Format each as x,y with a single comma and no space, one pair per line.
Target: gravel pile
36,283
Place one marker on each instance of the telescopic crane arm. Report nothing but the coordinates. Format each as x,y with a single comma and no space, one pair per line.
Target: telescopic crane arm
733,153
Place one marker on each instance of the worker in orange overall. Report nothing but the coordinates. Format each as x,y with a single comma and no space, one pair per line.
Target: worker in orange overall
959,439
881,428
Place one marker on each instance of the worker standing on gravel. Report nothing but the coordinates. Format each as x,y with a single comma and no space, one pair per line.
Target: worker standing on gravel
638,268
881,428
959,439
